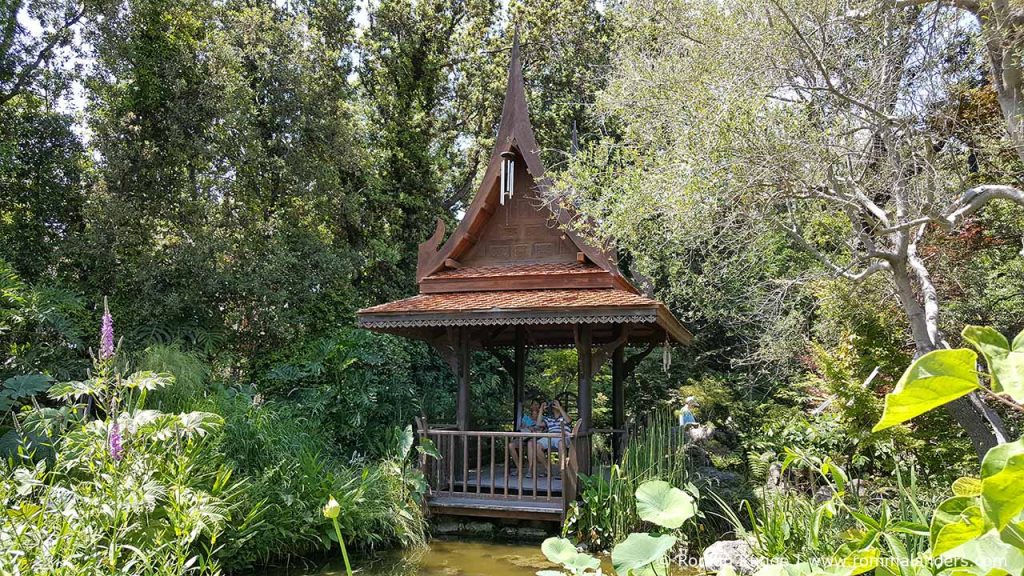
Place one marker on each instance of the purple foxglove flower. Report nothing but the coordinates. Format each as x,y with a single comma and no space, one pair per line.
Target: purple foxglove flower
114,443
107,334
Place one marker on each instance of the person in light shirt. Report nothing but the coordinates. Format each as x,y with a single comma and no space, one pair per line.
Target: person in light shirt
529,422
686,417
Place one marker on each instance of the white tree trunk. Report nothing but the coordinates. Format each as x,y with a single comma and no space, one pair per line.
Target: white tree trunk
983,426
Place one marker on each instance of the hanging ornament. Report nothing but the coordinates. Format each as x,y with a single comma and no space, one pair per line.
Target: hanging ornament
666,355
508,176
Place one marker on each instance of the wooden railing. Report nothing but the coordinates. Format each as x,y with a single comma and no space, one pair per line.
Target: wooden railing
496,465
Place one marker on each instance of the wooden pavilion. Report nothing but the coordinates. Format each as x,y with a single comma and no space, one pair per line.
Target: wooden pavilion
514,276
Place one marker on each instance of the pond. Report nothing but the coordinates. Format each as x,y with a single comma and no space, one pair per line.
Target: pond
448,558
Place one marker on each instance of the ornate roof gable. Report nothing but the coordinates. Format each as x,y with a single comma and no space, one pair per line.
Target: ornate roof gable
521,230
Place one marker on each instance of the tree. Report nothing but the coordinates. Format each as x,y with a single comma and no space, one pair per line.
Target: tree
24,56
1001,23
821,120
43,173
434,74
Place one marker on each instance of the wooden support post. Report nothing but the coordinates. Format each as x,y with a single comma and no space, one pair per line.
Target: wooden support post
519,375
463,355
585,350
618,396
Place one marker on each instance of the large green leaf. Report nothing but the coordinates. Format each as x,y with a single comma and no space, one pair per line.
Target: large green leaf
1002,483
558,550
989,555
932,380
148,380
563,552
967,486
1005,362
956,521
1014,534
640,550
1018,342
661,503
581,563
26,385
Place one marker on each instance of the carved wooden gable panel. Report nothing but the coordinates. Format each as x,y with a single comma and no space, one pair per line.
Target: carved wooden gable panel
523,230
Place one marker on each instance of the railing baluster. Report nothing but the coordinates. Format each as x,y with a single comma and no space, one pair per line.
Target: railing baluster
479,467
505,463
454,478
465,463
533,472
493,477
451,464
548,462
519,468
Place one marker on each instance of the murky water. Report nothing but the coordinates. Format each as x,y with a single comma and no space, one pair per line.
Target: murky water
448,558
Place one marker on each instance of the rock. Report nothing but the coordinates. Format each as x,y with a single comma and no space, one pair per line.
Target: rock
531,533
478,528
823,494
523,533
700,433
858,487
697,455
717,477
448,528
774,481
736,553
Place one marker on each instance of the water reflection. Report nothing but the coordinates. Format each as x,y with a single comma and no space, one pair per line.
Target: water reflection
447,558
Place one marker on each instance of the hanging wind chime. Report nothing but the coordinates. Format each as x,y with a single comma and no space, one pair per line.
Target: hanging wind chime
666,355
508,175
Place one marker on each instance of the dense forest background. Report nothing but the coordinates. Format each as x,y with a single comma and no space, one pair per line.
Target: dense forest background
238,178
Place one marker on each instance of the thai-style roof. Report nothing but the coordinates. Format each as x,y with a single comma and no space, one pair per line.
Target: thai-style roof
515,261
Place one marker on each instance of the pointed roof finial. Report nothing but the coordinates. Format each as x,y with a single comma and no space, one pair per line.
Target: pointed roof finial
515,65
514,109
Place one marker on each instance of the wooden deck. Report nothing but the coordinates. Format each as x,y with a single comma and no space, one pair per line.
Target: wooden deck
497,508
482,482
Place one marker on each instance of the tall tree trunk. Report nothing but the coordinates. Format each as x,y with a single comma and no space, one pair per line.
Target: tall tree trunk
1001,28
982,425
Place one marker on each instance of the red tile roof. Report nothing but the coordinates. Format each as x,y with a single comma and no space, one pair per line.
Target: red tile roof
552,268
513,300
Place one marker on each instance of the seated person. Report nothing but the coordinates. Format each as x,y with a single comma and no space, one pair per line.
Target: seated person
529,422
554,421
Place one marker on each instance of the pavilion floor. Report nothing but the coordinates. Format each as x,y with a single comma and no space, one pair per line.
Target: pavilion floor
528,485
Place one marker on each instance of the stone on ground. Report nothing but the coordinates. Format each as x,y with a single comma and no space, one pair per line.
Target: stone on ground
736,553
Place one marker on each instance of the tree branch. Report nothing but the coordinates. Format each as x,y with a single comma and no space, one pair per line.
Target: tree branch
877,266
1002,399
977,197
26,73
969,5
824,72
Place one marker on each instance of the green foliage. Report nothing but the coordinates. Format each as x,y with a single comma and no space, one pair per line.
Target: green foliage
22,388
944,375
1005,361
43,179
978,530
931,381
661,504
658,502
191,376
608,507
846,529
41,328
